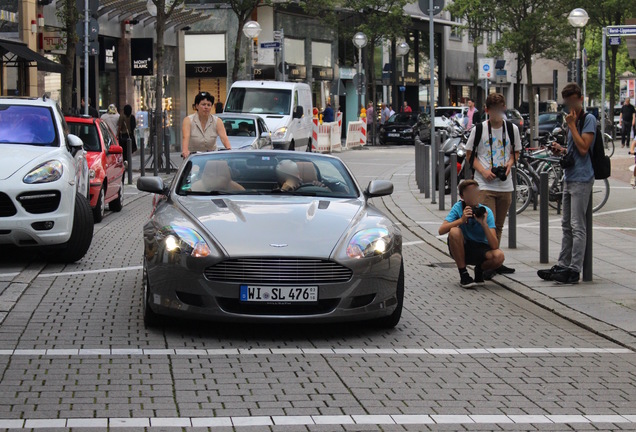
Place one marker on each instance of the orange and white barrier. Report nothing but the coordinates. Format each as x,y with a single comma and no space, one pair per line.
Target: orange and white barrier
325,137
336,134
356,134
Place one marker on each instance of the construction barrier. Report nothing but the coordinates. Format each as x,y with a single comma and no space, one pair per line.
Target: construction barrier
336,134
325,137
356,134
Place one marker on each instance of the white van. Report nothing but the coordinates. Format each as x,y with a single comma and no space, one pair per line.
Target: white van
285,106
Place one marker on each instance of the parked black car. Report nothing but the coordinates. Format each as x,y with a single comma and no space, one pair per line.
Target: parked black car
515,117
402,128
550,120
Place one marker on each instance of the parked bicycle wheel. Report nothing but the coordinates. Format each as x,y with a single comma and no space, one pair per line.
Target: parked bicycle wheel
609,145
600,194
524,191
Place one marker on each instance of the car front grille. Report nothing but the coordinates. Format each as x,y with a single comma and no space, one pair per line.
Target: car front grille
284,271
40,202
7,208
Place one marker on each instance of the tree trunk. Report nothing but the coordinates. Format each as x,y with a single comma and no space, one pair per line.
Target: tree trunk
237,48
475,79
518,94
68,59
612,86
530,89
371,67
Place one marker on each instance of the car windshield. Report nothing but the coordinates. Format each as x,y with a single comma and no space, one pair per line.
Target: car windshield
259,101
30,125
230,173
548,118
239,127
87,133
447,112
409,119
513,114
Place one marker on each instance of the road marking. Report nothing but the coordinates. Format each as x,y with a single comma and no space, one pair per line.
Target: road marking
411,243
614,211
212,352
106,270
305,420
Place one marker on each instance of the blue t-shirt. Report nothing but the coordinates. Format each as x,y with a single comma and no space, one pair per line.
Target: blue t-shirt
472,230
582,171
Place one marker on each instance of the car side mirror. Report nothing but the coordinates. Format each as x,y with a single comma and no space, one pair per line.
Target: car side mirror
378,188
74,143
264,134
115,149
151,184
298,112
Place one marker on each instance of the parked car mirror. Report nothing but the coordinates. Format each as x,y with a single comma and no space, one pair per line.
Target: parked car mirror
74,141
264,134
298,112
115,149
378,188
151,184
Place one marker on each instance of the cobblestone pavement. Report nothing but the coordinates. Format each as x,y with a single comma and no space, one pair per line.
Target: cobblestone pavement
74,354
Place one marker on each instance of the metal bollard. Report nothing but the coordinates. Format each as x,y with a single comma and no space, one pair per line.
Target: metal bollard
512,212
155,155
129,159
166,151
142,156
543,219
441,180
435,146
418,167
453,178
587,259
426,150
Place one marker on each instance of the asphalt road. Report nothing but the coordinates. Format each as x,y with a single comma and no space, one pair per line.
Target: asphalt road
74,352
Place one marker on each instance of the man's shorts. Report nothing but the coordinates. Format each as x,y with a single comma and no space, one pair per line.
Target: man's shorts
475,252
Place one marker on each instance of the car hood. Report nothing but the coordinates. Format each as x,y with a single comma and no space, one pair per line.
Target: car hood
275,121
16,156
238,142
289,226
398,126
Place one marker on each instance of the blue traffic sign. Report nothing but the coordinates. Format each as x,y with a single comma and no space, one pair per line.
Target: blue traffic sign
622,30
486,67
266,45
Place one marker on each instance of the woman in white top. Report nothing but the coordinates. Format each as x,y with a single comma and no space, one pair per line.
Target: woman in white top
200,130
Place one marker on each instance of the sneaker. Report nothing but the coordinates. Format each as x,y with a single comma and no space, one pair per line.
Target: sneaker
467,281
547,274
479,275
566,277
505,270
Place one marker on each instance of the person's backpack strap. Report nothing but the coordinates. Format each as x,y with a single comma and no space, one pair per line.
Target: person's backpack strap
511,136
479,129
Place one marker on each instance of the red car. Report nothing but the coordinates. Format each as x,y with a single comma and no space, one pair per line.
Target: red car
105,163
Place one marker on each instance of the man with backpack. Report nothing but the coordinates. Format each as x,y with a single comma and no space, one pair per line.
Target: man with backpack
583,161
492,149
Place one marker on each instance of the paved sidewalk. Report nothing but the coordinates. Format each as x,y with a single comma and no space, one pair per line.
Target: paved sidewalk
607,305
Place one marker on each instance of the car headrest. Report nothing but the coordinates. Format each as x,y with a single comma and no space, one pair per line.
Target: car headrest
307,172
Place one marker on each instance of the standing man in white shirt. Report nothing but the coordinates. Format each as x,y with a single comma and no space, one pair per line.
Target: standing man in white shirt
492,149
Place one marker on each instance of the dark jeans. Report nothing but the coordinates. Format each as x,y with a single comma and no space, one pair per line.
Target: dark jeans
626,131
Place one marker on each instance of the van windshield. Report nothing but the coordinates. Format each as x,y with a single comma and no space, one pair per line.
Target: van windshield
259,101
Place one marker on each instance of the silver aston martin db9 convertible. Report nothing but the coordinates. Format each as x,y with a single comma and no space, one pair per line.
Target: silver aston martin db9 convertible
264,236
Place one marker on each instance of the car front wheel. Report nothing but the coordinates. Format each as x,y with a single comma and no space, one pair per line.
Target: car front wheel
100,207
81,235
392,320
151,318
117,204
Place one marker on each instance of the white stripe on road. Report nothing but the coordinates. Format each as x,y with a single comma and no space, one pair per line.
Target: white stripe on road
72,273
305,420
411,243
202,352
614,211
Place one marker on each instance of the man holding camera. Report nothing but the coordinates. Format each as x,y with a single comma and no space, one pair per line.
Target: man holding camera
577,188
492,148
472,238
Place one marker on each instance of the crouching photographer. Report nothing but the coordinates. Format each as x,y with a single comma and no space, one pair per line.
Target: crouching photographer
472,237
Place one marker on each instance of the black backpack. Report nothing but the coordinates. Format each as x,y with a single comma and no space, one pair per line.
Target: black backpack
479,129
601,163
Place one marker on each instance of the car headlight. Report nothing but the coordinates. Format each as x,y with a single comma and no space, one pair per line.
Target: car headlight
369,242
46,172
279,133
408,131
186,240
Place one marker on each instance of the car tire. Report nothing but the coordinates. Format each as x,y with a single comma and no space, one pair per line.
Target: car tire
81,235
389,322
117,204
100,207
151,318
292,146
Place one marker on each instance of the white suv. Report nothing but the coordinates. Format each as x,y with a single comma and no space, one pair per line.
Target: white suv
44,181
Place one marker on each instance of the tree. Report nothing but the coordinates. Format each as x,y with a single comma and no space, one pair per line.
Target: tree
243,9
532,28
69,17
605,13
478,20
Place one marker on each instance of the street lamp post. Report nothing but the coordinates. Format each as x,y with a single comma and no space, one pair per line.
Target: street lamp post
402,50
360,41
578,18
251,29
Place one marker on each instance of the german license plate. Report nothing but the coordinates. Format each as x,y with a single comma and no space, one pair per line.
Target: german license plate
393,135
270,294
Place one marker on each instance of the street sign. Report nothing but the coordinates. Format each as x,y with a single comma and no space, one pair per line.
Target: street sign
486,66
438,6
628,30
615,40
269,45
93,30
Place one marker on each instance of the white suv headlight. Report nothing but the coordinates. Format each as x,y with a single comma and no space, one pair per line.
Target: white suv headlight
279,134
369,242
46,172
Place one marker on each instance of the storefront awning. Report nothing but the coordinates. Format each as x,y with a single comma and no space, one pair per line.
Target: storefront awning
24,53
138,10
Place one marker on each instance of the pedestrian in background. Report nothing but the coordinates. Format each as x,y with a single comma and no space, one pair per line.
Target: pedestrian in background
391,111
384,113
406,108
626,121
126,126
492,154
328,114
472,115
91,111
111,118
577,188
201,129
